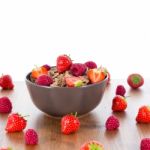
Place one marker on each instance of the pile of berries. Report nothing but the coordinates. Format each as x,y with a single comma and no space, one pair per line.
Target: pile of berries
67,73
74,77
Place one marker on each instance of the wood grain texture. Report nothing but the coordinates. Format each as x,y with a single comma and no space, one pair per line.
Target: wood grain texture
92,125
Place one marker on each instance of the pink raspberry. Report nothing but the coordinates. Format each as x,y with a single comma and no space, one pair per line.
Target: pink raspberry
120,90
145,144
5,105
78,69
112,123
31,137
44,80
47,67
91,64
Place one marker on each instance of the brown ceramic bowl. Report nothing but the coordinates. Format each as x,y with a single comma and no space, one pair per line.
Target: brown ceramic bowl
59,101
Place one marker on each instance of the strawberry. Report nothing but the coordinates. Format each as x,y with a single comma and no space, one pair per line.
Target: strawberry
5,105
92,145
135,80
143,115
5,148
74,81
15,123
96,75
119,103
69,124
38,71
63,63
6,82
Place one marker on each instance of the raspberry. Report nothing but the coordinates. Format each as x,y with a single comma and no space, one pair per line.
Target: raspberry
145,144
120,90
31,137
78,69
44,80
6,82
112,123
47,67
5,105
91,64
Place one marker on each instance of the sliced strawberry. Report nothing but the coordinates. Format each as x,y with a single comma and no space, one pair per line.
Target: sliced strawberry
74,81
92,145
96,75
38,71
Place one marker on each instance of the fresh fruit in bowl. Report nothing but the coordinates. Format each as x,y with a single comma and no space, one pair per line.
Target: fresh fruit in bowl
78,85
96,75
64,63
38,71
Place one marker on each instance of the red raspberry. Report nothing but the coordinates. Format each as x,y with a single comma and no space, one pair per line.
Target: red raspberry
120,90
44,80
91,64
78,69
47,67
6,82
5,105
112,123
145,144
31,137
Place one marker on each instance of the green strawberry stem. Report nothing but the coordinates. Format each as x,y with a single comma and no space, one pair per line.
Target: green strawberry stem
74,114
94,146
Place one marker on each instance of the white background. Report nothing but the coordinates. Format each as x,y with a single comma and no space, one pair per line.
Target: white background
113,33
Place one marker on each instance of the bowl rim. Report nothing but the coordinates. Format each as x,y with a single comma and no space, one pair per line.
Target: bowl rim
49,87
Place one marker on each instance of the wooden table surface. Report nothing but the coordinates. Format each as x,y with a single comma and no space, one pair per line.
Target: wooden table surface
92,125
